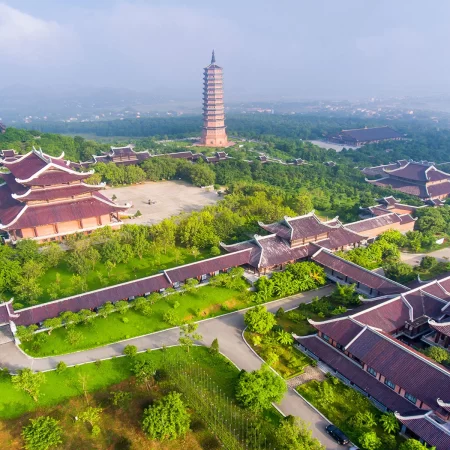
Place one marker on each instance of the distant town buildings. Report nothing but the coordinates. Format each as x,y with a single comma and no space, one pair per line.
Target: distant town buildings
358,137
44,198
420,179
214,130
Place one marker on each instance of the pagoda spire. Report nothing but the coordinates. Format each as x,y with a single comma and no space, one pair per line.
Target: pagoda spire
213,58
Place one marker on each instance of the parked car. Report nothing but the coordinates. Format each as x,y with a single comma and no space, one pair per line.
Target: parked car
337,434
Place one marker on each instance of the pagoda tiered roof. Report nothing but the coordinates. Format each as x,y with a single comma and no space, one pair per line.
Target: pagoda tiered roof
43,190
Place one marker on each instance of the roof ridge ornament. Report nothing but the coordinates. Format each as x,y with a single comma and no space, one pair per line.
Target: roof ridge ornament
213,57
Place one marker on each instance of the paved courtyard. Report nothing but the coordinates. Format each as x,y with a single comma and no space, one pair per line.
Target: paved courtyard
167,198
329,145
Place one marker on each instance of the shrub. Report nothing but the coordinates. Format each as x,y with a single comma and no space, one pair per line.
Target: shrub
42,433
125,319
61,367
130,350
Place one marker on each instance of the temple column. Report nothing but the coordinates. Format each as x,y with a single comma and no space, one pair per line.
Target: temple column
437,337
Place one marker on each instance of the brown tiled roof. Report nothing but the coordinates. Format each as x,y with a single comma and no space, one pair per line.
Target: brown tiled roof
277,251
208,266
371,134
427,429
340,330
26,166
436,190
389,316
378,210
335,359
412,171
93,299
442,327
401,186
415,374
307,226
46,214
341,237
423,304
437,175
278,228
59,192
375,222
357,273
51,177
180,155
255,250
123,151
379,170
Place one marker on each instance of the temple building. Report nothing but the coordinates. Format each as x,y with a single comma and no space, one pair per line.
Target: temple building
43,198
420,179
370,350
214,130
362,136
298,238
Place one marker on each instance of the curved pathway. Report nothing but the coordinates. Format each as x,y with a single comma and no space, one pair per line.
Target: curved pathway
227,328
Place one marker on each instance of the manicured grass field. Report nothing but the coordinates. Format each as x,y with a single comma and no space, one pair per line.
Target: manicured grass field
60,387
204,302
346,402
291,362
98,277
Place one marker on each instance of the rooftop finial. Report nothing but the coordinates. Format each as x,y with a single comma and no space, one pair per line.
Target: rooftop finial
213,58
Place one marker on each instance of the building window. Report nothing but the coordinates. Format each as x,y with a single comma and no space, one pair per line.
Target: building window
326,337
410,397
389,383
340,347
372,371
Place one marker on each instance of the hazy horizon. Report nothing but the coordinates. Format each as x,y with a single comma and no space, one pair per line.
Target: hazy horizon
287,50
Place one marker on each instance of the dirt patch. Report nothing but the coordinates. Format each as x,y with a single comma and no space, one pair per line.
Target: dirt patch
310,373
232,303
211,309
167,198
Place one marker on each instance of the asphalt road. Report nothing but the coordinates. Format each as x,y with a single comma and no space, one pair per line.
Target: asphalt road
227,329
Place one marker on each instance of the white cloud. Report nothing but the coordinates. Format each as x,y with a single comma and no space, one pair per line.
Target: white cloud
26,39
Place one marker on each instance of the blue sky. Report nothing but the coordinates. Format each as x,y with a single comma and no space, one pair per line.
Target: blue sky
290,49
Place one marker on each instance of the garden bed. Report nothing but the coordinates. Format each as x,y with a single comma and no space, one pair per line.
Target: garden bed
207,301
340,404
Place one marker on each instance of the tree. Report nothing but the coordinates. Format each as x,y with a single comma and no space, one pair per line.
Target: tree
284,338
170,317
142,305
438,354
70,319
91,415
144,371
86,316
29,381
166,419
370,441
42,433
188,335
304,203
121,306
28,250
26,334
74,337
51,324
190,285
257,390
120,398
389,423
214,348
61,367
130,350
107,309
294,434
53,254
428,262
259,320
413,444
327,394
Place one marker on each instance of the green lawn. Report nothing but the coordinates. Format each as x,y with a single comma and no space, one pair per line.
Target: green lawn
205,302
135,268
343,404
291,362
60,387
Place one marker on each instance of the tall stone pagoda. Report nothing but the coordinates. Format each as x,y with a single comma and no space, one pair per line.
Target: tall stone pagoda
44,198
214,130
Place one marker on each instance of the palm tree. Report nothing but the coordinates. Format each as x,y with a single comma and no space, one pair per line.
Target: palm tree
389,423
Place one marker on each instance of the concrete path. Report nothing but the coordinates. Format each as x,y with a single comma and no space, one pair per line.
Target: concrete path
228,329
413,259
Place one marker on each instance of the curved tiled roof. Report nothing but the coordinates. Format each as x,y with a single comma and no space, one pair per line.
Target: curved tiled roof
374,222
442,327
